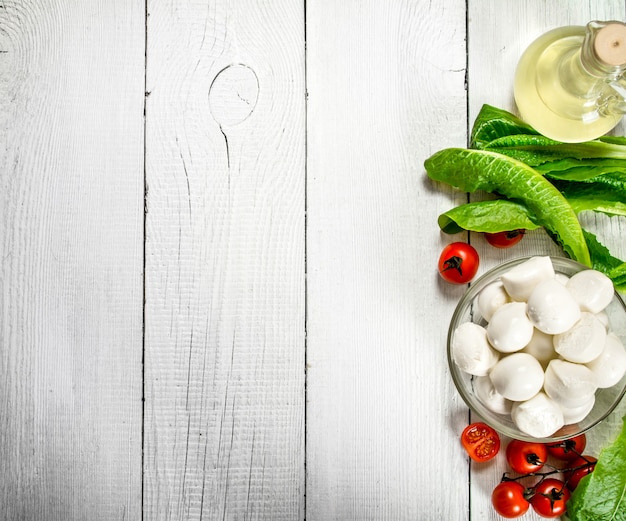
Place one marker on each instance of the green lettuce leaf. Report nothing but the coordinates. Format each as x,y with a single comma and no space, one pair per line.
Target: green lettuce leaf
618,276
493,123
616,140
605,193
536,149
500,131
612,181
593,203
601,495
573,169
472,170
499,215
602,260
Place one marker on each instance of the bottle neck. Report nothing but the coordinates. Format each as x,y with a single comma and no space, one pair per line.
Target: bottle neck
599,87
576,77
603,52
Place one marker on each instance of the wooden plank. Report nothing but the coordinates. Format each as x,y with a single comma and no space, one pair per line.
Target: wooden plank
385,83
71,239
491,81
225,323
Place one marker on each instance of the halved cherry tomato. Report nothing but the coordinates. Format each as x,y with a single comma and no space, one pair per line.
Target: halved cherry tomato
509,499
480,441
525,457
584,465
505,239
458,263
568,449
550,497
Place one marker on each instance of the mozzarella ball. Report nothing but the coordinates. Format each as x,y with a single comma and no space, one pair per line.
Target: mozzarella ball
604,318
551,308
520,280
592,290
562,278
569,384
610,366
584,341
490,298
539,416
576,414
517,377
492,399
471,350
510,329
541,347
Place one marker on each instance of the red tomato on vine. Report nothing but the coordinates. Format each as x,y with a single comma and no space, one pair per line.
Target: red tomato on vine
584,465
509,499
568,449
550,498
525,457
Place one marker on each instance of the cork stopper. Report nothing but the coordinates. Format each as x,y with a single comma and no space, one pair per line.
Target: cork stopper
610,44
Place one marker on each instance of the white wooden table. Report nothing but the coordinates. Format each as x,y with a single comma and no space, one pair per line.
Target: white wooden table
218,288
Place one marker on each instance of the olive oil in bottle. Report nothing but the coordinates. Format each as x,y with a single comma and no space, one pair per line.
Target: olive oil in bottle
569,83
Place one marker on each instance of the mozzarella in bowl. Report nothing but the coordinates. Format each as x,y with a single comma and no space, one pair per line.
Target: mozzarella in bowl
546,346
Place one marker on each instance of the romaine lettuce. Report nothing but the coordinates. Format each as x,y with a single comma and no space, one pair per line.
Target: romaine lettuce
473,170
499,215
601,495
527,171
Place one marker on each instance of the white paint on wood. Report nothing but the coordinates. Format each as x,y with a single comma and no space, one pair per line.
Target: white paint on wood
386,89
225,323
71,207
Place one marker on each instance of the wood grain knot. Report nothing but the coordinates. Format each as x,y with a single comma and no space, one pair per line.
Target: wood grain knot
233,94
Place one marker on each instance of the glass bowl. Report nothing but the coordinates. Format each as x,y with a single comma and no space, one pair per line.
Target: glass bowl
605,399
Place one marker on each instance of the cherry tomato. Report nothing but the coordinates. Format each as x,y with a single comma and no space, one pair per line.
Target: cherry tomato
480,441
509,499
550,498
505,239
568,449
525,457
584,465
458,263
